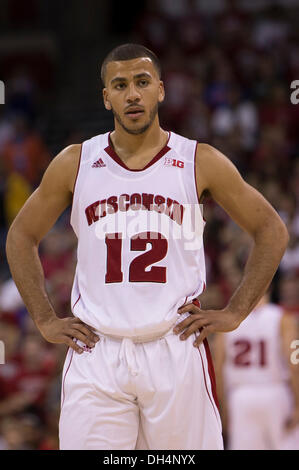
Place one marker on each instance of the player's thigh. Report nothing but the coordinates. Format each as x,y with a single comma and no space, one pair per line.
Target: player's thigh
178,409
95,412
99,423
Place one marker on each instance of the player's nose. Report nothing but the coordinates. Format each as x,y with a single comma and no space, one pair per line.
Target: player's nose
132,94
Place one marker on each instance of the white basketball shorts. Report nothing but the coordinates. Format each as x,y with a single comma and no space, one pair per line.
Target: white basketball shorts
155,395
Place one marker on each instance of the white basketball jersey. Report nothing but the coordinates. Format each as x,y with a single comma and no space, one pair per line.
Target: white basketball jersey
254,350
140,249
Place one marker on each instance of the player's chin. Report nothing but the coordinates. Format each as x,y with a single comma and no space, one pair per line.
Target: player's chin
137,127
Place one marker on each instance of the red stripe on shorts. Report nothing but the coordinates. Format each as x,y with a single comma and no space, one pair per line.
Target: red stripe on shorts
63,380
211,371
210,364
204,375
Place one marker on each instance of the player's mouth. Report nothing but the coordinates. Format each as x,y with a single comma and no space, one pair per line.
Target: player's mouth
134,112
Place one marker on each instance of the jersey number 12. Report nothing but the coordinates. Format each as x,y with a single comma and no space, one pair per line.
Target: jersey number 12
137,268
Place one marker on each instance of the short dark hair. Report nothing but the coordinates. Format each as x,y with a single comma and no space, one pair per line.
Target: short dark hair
128,52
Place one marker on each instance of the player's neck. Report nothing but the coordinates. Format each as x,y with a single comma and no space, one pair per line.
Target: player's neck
126,144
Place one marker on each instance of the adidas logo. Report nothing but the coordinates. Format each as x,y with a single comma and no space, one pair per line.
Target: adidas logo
98,164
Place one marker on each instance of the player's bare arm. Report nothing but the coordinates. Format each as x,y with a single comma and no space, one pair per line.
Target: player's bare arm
216,175
289,333
32,223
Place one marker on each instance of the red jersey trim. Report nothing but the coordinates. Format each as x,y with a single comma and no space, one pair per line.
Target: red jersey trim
75,182
76,302
194,163
111,152
77,170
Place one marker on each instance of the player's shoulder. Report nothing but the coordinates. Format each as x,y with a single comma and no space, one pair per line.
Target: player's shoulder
67,160
206,157
216,170
68,154
62,169
209,155
98,142
72,154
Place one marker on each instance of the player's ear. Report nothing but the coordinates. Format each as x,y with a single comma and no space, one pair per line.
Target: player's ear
106,100
161,92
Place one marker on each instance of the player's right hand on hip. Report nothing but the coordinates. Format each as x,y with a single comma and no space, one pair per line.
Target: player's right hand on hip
67,331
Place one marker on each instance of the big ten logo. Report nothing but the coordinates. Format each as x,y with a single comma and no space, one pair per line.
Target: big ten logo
295,354
2,92
173,162
2,353
295,95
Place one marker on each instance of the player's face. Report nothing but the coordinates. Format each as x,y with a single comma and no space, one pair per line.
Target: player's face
133,92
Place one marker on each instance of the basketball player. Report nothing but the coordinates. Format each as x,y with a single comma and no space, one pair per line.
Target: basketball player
257,384
131,380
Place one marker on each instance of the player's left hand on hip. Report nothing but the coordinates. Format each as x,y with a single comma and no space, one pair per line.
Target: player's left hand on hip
205,322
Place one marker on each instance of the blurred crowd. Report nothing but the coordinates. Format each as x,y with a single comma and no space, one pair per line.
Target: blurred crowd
227,69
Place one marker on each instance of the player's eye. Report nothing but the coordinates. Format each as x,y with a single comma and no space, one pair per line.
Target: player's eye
143,83
120,86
